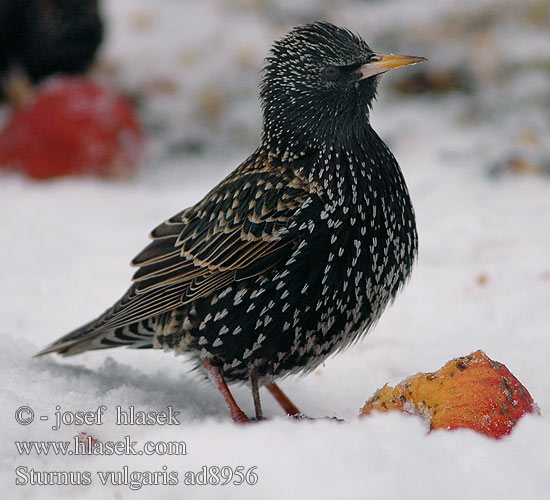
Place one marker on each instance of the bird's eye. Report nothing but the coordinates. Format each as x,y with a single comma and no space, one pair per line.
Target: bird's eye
331,73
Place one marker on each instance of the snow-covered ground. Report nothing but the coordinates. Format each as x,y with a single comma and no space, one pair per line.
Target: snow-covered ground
482,279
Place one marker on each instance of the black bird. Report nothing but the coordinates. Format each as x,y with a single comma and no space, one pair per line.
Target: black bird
45,37
296,253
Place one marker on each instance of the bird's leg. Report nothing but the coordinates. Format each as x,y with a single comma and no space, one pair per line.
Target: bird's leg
289,407
216,376
282,399
256,393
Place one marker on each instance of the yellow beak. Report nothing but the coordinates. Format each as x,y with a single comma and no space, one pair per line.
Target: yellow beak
380,63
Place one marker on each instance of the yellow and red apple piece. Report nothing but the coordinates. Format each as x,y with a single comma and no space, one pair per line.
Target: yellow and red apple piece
472,392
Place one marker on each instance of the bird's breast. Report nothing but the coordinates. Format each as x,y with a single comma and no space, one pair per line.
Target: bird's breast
368,233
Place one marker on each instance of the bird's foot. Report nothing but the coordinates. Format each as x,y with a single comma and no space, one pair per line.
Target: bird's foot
288,406
247,420
301,416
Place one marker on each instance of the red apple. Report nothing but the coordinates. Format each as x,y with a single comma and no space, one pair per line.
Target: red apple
72,126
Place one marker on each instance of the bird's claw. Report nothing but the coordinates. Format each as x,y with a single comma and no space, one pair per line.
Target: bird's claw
301,416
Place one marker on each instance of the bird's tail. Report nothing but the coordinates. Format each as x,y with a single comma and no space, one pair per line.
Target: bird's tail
90,337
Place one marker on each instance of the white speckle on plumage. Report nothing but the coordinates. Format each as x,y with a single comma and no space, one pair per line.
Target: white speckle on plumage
257,293
238,298
221,314
225,292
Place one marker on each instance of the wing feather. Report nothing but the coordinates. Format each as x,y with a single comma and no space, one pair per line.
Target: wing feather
242,228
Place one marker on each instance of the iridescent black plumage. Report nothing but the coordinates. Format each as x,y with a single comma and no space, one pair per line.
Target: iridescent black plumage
298,251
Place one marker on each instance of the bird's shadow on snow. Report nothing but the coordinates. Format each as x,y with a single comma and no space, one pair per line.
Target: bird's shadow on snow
71,385
187,393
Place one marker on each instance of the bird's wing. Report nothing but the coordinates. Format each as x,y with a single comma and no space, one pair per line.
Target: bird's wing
242,228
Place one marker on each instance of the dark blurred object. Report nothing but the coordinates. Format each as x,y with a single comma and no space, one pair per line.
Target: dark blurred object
439,82
72,126
44,37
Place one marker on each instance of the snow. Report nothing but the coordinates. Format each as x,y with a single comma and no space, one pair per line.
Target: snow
67,243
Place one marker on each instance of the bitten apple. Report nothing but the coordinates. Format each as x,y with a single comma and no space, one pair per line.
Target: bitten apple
468,392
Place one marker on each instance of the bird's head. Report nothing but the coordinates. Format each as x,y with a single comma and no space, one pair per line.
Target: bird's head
318,85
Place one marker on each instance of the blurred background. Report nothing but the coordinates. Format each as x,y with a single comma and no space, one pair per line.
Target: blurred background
117,114
190,69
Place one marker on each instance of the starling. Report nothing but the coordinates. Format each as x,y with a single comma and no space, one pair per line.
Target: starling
295,254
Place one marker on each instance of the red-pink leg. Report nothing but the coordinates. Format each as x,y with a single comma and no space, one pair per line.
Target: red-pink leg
216,376
282,399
